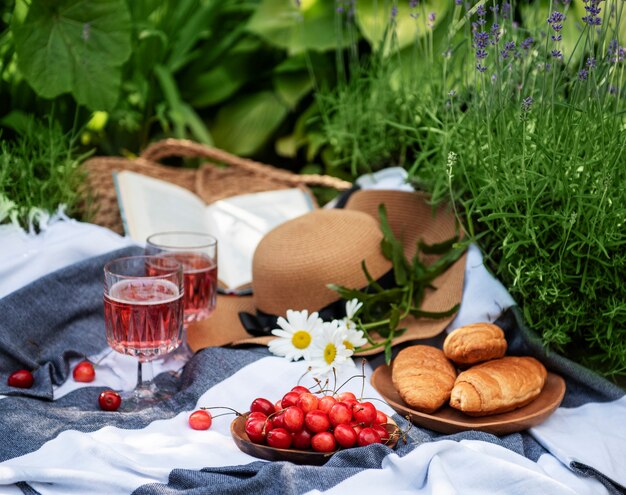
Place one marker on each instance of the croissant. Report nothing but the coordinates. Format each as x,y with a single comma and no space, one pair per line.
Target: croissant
498,386
423,377
474,343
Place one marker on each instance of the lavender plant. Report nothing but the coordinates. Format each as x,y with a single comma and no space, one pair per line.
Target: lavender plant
537,135
514,112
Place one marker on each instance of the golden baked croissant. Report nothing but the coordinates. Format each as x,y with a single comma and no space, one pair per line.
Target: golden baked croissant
423,377
498,386
474,343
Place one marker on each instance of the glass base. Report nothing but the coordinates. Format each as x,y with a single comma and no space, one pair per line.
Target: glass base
148,392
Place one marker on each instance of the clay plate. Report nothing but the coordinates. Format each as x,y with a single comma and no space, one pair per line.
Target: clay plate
449,420
237,429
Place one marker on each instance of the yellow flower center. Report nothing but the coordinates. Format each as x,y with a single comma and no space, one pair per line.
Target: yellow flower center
301,339
348,345
330,351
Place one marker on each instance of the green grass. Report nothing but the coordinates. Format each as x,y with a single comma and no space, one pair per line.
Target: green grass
39,169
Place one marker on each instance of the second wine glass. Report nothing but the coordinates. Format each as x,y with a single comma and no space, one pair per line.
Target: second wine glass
197,253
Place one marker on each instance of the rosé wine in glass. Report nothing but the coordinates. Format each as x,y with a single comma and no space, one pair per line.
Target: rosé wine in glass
142,317
197,253
200,277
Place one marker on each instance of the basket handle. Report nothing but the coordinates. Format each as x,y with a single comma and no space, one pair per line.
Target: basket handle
184,147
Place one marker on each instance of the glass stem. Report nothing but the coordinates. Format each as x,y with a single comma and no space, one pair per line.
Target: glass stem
145,374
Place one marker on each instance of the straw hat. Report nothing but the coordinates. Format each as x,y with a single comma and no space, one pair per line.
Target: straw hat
294,263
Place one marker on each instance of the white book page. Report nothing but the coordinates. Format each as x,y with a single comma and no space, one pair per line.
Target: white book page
151,205
241,221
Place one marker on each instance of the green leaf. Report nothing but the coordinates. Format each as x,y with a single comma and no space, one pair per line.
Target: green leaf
75,46
244,126
438,248
373,18
310,27
293,86
388,349
434,315
393,249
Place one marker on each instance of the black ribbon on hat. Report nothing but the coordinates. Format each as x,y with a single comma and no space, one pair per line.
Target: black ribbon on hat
261,324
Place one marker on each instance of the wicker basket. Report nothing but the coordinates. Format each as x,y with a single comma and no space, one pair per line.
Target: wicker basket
224,175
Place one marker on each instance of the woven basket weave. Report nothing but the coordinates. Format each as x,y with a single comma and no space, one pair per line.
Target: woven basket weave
222,176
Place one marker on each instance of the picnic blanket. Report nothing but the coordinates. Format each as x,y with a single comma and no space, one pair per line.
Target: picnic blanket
55,440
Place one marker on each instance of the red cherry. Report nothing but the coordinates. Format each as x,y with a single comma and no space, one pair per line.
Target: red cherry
84,372
109,400
340,414
279,438
256,431
293,419
368,436
344,396
200,420
317,421
382,431
289,399
256,415
307,402
356,427
364,412
21,379
323,442
301,439
381,418
326,403
299,389
345,435
262,405
279,420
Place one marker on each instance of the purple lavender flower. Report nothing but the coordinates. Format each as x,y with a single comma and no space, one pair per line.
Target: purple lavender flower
458,2
481,13
615,52
431,20
556,18
509,46
495,33
481,39
527,43
506,9
527,103
413,4
593,13
591,63
480,68
556,54
394,11
582,74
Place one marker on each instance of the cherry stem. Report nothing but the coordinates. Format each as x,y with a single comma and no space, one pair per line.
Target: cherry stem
224,414
344,383
223,407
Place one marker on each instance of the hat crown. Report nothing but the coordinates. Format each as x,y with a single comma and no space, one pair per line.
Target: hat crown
294,263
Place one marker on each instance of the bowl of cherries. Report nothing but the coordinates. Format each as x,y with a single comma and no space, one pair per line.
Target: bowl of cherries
307,428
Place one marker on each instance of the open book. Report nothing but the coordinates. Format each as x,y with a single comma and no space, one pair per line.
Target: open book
150,205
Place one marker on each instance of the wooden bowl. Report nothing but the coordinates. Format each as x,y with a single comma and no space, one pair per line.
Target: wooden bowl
449,420
237,429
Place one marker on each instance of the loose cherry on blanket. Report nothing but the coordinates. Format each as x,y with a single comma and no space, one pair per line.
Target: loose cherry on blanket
200,420
84,372
21,379
109,400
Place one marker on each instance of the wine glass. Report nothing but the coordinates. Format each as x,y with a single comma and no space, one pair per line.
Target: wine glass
197,253
143,315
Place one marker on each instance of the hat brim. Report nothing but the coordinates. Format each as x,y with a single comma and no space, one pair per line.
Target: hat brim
411,218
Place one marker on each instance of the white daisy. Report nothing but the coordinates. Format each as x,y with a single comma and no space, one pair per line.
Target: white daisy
352,308
328,350
295,339
354,338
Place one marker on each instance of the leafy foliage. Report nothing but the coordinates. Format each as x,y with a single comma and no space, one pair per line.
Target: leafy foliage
384,308
74,46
